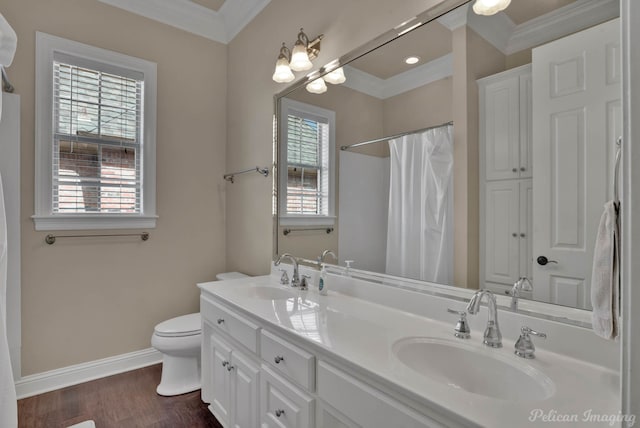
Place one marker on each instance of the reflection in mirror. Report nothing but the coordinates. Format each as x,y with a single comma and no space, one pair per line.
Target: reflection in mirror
490,143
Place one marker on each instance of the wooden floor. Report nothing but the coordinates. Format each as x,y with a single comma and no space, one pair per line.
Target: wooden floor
124,400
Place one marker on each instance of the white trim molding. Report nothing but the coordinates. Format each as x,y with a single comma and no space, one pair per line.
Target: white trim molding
47,46
220,26
72,375
416,77
630,297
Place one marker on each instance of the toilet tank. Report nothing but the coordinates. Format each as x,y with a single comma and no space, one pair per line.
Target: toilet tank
230,275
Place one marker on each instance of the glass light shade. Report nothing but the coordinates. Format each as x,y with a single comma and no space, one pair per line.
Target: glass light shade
490,7
283,72
317,86
300,58
336,76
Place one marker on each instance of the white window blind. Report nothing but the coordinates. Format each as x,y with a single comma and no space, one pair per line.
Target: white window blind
307,165
97,138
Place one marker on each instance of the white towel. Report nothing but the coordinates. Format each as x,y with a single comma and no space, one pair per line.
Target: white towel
8,403
605,279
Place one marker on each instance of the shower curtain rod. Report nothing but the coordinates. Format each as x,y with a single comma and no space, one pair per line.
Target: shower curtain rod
379,140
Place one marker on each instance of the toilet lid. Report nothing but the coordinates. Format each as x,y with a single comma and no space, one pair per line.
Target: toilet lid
186,325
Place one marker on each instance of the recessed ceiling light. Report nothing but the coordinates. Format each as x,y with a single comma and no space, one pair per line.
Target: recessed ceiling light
412,60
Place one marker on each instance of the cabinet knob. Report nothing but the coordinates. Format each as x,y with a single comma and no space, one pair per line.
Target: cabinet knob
225,363
279,412
230,367
278,359
522,168
515,170
522,235
220,321
515,235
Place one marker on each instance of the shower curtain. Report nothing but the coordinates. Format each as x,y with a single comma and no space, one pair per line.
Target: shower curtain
420,229
8,410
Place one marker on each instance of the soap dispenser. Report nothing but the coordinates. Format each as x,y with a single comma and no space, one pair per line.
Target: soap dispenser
322,283
347,270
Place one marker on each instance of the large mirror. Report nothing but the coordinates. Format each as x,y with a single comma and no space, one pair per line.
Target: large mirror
471,151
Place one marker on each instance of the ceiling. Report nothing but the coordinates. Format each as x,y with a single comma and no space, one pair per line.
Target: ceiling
434,40
217,20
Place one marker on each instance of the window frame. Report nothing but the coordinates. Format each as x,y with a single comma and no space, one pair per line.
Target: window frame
44,218
288,106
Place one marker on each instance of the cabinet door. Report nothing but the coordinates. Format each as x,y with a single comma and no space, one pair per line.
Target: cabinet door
526,229
282,405
245,386
501,132
220,380
526,131
502,231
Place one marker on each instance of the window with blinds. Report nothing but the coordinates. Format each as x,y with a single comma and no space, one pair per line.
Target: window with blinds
97,135
307,166
306,187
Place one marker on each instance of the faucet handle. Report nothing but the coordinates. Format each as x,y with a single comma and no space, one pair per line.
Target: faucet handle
462,329
304,282
284,279
524,345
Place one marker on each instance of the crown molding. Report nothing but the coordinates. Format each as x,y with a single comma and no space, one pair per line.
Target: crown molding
456,18
509,38
414,78
567,20
221,26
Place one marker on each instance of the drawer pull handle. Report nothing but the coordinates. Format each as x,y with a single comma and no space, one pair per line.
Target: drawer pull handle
220,321
225,363
230,367
279,412
278,359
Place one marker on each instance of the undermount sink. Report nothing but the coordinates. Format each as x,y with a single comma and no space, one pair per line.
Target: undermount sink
267,293
469,368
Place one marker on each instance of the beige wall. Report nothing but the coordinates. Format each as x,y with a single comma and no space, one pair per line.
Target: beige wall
252,56
474,58
85,299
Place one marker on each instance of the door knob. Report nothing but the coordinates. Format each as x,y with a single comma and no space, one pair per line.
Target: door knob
542,261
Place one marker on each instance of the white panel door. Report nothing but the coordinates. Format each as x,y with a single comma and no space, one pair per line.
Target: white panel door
501,129
502,231
245,389
576,86
220,381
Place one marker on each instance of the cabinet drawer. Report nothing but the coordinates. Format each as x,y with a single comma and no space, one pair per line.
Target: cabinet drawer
363,404
283,405
288,359
223,319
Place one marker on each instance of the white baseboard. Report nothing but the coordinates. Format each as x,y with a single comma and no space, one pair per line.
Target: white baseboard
59,378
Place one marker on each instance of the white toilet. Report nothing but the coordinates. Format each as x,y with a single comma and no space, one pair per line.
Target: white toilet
179,340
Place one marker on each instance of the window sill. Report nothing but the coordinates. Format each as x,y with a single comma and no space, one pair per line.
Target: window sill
307,220
94,222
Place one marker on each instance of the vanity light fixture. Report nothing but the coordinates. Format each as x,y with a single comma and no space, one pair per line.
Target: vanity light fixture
412,60
317,86
283,73
490,7
299,59
335,77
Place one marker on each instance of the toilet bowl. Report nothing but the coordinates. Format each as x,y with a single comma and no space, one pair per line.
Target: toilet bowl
179,340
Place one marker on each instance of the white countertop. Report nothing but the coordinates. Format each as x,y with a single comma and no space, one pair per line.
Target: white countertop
362,333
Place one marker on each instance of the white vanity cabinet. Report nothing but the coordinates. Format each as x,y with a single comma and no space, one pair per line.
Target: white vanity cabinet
253,376
505,124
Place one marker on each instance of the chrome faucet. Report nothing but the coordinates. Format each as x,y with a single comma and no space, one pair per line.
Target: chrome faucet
325,253
492,335
522,284
295,278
